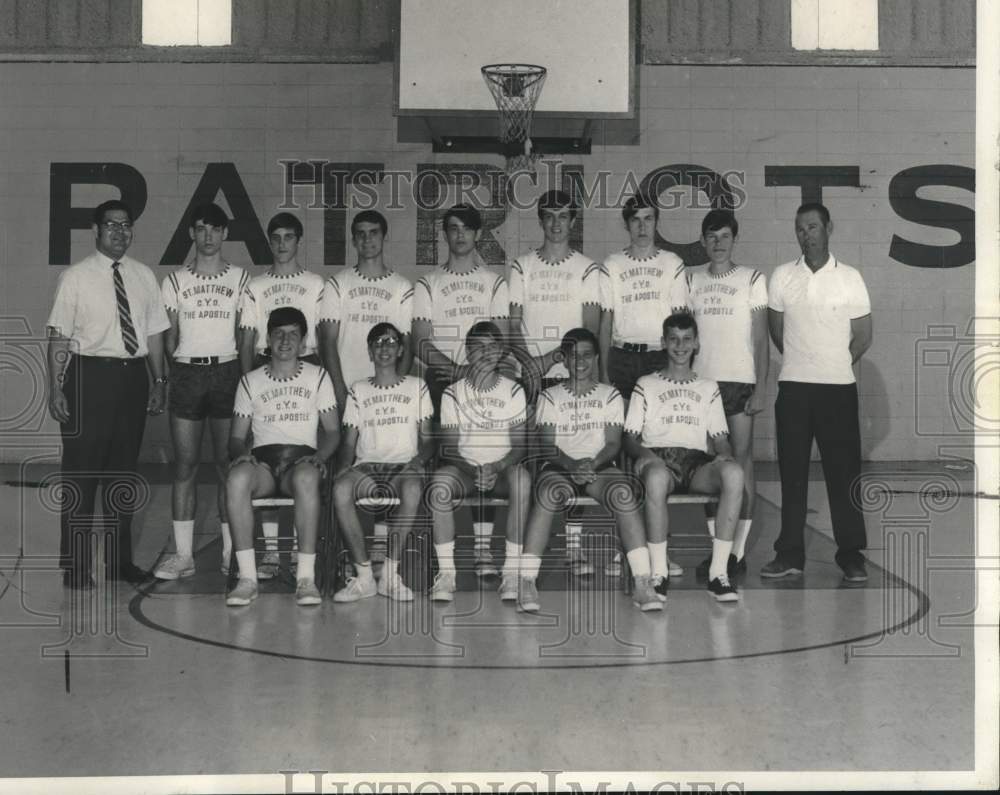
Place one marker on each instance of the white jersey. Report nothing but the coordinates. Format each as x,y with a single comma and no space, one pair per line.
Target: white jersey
454,302
552,295
302,290
670,413
723,305
206,309
357,303
387,419
642,293
580,421
483,419
285,410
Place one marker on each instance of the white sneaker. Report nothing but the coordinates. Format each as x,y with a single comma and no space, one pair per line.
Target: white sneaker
306,593
243,594
508,587
644,597
484,565
578,565
443,589
673,569
659,586
393,587
174,567
269,565
527,595
356,589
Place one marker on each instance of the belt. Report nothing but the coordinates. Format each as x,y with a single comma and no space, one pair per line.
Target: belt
635,347
206,359
120,361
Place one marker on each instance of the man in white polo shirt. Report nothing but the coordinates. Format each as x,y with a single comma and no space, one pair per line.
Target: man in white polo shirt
819,316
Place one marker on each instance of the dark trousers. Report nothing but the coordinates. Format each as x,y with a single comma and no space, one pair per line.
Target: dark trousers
627,367
107,407
828,413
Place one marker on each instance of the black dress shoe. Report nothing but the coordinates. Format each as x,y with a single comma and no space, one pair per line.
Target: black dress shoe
855,571
78,582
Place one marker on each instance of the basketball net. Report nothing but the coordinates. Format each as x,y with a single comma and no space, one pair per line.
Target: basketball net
516,88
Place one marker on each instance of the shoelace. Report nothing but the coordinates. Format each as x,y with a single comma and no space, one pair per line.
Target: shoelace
724,581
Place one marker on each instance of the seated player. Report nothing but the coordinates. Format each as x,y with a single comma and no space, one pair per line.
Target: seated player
482,445
671,417
386,442
580,422
282,403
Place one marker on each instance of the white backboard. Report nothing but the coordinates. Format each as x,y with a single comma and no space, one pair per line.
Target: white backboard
586,45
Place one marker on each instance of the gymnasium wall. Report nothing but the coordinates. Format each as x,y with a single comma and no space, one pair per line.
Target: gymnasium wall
891,150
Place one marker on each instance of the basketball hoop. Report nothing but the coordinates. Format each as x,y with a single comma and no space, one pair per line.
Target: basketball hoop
516,88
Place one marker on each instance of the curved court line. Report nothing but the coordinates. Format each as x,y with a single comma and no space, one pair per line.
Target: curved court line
135,610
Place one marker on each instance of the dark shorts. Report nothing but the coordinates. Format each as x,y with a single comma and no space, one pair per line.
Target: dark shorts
682,462
499,489
627,367
554,468
198,391
379,471
279,458
735,395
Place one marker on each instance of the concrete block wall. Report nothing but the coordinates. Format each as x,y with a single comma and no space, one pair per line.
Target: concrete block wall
170,121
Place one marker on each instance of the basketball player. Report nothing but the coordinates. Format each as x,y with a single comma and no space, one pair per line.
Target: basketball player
201,299
580,422
730,304
356,299
671,418
286,283
386,441
639,287
482,444
282,403
552,289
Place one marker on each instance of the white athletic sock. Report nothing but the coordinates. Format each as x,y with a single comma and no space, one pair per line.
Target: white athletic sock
512,559
483,532
247,562
740,540
390,568
574,540
658,558
710,521
363,570
446,557
270,530
530,565
720,557
638,560
307,566
184,537
227,539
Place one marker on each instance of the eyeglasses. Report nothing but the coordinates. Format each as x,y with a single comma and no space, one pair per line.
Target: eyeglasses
120,226
382,342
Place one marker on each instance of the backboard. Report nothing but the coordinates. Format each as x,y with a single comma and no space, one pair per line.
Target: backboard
586,46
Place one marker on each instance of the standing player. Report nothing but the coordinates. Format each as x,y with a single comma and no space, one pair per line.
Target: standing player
640,286
729,302
201,299
482,445
285,284
580,422
282,403
386,442
552,289
356,299
671,418
454,296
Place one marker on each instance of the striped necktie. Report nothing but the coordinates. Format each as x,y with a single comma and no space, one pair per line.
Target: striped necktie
124,313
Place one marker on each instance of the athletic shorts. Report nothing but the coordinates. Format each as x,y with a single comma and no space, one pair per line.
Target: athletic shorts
735,395
279,458
627,367
499,488
198,391
682,462
552,466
